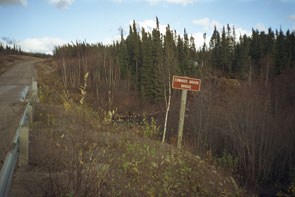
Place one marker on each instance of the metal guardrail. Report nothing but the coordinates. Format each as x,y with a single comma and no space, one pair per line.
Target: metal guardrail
7,171
20,149
21,123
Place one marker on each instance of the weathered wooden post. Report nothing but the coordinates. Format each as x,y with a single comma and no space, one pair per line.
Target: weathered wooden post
181,117
35,91
30,114
185,84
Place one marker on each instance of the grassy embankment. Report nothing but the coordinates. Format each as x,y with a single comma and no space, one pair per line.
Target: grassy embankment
76,151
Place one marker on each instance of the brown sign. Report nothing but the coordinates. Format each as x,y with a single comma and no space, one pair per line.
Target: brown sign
185,83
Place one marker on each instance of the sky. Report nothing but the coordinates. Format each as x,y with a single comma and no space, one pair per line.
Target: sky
40,25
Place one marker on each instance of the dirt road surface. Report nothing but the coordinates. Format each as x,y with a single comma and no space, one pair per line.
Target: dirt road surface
14,84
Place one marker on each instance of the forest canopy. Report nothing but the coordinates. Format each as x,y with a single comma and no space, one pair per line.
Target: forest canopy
146,58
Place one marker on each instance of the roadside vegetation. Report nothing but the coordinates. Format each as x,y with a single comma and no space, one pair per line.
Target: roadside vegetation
78,151
243,115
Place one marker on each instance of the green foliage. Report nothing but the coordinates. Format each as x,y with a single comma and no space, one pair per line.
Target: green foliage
228,161
71,194
153,173
143,61
43,92
150,128
264,49
147,71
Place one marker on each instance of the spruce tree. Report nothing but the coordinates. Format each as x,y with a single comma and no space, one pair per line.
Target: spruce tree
157,53
186,62
147,65
255,51
225,60
133,42
215,46
123,58
240,64
180,54
281,56
170,58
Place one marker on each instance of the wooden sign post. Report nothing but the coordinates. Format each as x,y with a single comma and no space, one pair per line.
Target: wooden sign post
184,84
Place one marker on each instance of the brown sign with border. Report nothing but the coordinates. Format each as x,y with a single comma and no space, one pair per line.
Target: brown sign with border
186,83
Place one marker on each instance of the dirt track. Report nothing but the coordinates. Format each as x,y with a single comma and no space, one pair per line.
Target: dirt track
13,86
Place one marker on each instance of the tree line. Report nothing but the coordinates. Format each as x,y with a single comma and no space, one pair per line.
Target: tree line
10,50
145,58
267,52
5,49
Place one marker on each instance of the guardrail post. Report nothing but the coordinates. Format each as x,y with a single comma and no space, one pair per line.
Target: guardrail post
30,114
35,91
23,146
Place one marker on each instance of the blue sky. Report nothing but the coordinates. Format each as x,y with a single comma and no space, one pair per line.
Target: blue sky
39,25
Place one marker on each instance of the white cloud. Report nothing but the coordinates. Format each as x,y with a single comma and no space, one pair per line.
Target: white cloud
183,2
207,23
208,26
199,36
199,40
13,2
61,3
41,45
110,41
240,32
203,21
149,25
260,27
